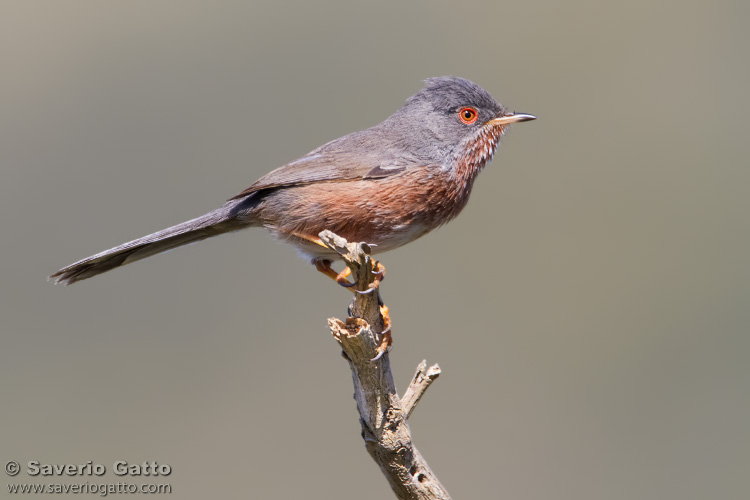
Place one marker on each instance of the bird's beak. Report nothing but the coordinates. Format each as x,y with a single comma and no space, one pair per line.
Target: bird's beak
514,118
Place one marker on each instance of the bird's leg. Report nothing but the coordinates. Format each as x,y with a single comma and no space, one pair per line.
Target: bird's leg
387,341
324,266
379,272
378,269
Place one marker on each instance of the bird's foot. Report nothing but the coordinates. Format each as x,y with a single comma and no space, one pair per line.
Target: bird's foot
386,343
324,266
379,272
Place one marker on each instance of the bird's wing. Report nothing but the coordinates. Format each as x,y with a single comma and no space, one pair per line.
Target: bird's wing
334,162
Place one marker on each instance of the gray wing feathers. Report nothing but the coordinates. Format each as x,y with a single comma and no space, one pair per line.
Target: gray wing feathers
355,156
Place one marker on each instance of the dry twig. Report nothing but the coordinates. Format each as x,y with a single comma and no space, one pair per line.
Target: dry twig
382,413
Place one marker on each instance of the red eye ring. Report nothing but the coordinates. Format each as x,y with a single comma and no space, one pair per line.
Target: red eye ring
468,115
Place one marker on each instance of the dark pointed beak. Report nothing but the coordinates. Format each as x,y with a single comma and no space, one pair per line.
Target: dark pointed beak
514,118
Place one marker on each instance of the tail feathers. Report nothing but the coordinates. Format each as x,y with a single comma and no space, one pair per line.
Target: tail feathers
211,224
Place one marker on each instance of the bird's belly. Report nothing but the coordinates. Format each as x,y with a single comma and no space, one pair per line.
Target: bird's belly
395,236
380,241
385,213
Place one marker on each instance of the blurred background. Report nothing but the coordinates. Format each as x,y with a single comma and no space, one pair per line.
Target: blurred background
593,339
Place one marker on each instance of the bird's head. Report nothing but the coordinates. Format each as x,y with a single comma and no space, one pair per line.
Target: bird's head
452,119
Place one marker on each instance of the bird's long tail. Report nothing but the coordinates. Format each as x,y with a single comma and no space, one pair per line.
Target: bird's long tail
219,221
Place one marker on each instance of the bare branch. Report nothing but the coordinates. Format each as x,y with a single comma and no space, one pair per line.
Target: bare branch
421,380
382,412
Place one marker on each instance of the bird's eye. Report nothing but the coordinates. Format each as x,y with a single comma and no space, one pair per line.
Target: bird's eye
468,115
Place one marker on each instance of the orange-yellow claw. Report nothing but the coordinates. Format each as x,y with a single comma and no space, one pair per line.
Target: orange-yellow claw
386,343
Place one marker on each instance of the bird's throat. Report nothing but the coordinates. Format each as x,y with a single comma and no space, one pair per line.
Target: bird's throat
475,153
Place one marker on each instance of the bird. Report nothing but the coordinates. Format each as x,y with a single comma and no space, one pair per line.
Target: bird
386,185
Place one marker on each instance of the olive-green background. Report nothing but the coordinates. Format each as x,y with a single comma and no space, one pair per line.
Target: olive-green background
589,308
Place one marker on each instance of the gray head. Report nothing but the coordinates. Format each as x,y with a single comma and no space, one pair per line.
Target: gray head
448,116
445,96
